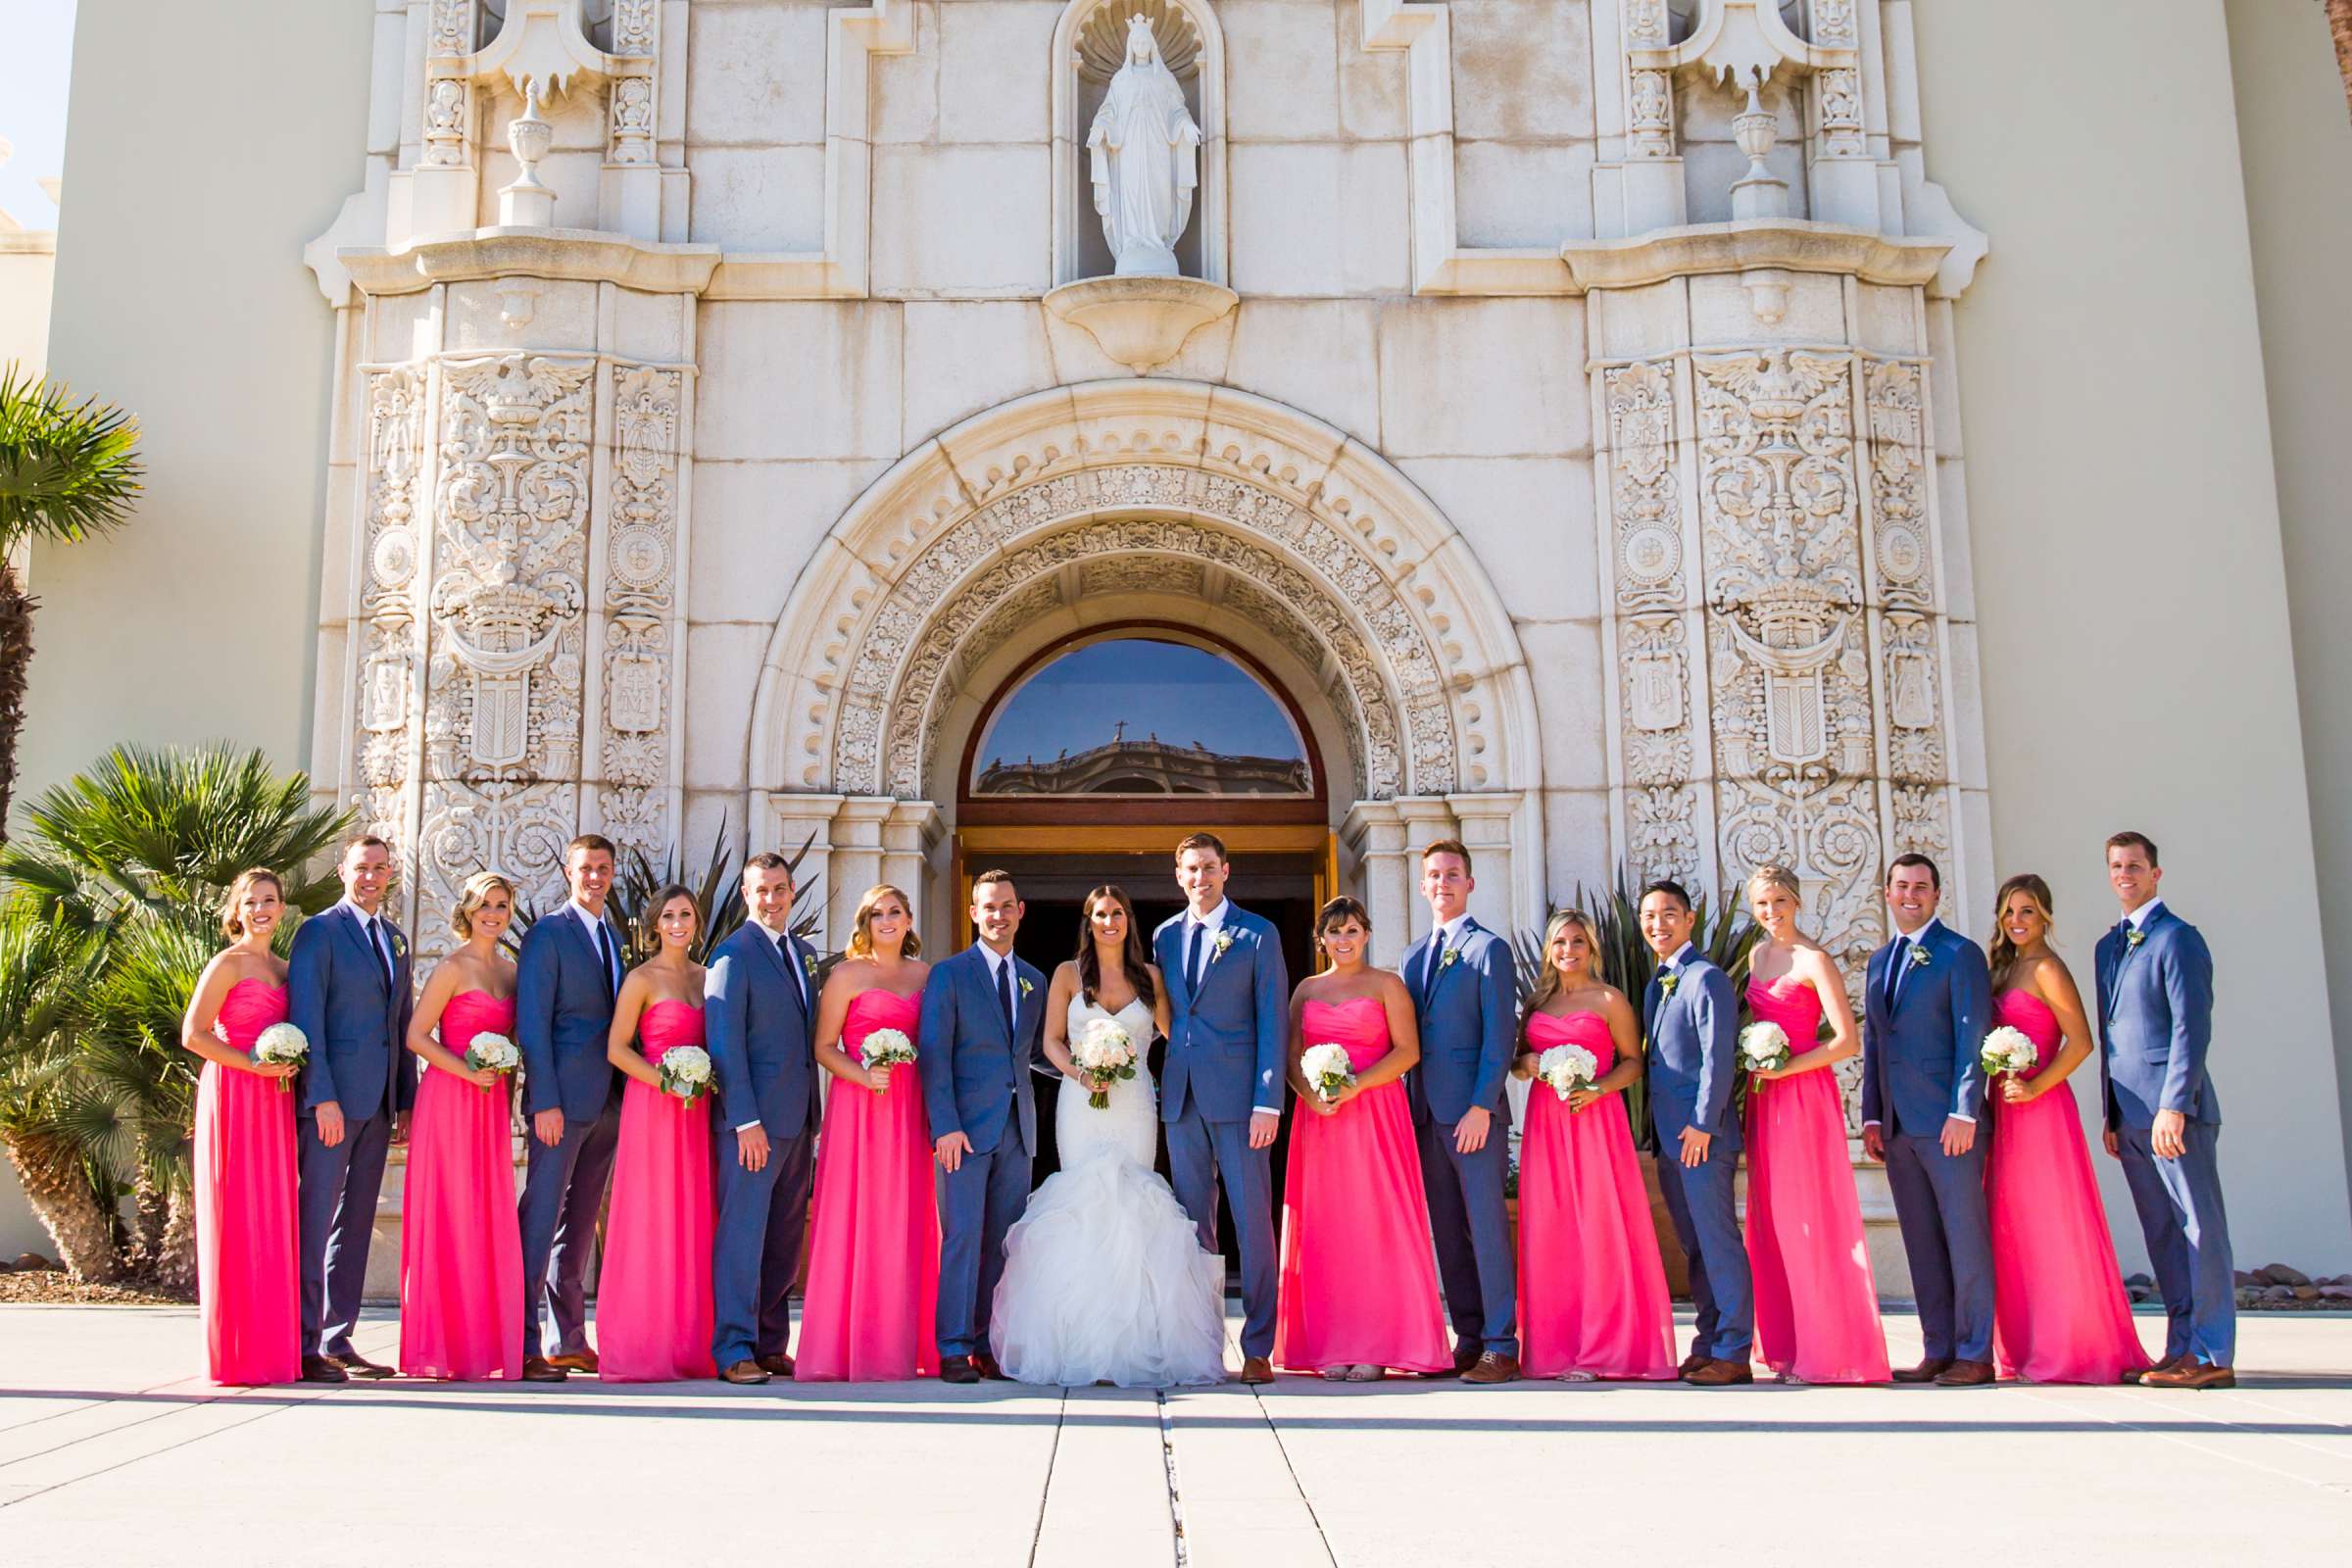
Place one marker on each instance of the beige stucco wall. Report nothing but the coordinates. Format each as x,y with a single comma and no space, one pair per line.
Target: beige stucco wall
2296,143
27,262
2132,598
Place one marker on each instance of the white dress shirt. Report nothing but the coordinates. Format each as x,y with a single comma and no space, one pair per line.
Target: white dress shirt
2138,919
367,932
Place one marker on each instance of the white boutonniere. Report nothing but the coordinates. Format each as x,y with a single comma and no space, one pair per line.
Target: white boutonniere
1217,949
809,962
1026,987
2135,936
1666,982
399,944
1919,957
1445,958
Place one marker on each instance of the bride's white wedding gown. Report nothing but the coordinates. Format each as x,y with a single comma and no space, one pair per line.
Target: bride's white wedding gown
1104,1279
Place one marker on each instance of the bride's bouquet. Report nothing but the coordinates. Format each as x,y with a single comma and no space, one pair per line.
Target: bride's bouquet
886,1047
282,1045
2008,1050
1327,1071
1764,1046
1567,1068
685,1072
1104,1051
493,1051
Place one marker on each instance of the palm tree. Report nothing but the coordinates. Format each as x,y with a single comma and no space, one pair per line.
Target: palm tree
68,470
2339,27
46,967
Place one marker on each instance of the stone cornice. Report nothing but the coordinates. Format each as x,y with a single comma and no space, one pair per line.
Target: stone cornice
1780,244
557,254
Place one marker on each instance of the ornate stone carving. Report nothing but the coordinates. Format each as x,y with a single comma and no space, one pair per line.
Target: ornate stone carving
447,123
1143,149
1649,114
632,121
640,609
389,653
452,30
1645,488
634,22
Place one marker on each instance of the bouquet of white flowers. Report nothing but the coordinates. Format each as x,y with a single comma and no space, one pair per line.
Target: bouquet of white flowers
281,1044
1567,1068
1327,1070
1104,1051
493,1051
1763,1047
2008,1050
685,1072
886,1047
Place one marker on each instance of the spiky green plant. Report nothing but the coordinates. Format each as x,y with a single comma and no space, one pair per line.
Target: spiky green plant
718,893
47,967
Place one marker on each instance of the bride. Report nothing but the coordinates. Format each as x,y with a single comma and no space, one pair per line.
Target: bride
1104,1279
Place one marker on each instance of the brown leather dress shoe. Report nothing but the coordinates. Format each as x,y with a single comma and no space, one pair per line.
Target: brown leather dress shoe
2192,1373
356,1365
747,1372
778,1365
1927,1371
575,1362
986,1361
1493,1367
323,1369
1466,1356
1965,1375
958,1369
538,1369
1257,1370
1719,1373
1691,1363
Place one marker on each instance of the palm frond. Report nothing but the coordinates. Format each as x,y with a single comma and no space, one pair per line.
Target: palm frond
68,470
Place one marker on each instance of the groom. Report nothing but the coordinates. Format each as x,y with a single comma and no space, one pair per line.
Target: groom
1221,1091
1926,1011
2162,1119
982,1011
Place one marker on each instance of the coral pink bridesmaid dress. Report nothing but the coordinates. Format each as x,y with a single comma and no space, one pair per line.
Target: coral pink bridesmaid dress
653,1293
1359,1279
246,1222
460,1251
1592,1293
1817,1310
873,1234
2059,1313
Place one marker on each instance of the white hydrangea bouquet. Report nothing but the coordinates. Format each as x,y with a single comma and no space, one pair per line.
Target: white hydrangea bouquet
1105,1050
1567,1068
2008,1050
886,1047
493,1051
1327,1070
282,1045
1763,1047
685,1072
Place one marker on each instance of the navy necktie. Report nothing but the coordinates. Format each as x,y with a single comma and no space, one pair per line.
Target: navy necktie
383,953
1191,959
1005,994
603,951
1894,971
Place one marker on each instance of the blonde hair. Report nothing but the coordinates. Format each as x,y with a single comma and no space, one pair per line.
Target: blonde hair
232,902
861,933
1548,984
1772,874
2001,951
470,897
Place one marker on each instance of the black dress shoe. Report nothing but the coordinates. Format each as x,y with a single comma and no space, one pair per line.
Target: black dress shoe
746,1373
958,1369
356,1365
323,1369
538,1369
987,1364
1466,1354
1928,1371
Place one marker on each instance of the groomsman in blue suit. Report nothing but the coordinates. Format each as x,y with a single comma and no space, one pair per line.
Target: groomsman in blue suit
1220,1093
982,1013
564,982
759,1008
347,990
1924,1018
2163,1119
1465,1003
1691,1022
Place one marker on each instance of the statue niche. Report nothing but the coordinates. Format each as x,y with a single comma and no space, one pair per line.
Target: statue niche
1143,152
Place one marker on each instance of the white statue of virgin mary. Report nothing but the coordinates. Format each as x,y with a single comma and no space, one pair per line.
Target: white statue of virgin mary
1145,156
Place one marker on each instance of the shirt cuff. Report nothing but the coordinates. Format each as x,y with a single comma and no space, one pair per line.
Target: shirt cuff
1265,1110
1873,1122
1961,1115
747,1126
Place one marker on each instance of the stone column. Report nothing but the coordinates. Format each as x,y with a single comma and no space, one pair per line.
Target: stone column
857,863
791,821
1504,899
911,832
1373,832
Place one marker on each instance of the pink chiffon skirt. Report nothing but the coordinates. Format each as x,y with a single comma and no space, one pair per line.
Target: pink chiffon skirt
461,1249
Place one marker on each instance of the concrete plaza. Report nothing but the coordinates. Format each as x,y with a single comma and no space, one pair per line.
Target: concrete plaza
110,1452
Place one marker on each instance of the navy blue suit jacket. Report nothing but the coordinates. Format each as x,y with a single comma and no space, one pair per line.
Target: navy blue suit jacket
975,1071
358,1027
1468,1018
2156,1023
757,1031
1694,1038
1924,1059
1229,1042
563,1016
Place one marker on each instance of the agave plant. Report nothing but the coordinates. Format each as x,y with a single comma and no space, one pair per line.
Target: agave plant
718,894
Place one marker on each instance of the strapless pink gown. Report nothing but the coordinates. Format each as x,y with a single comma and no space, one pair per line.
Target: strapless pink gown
873,1234
460,1251
1592,1290
1817,1310
247,1277
2059,1313
1359,1280
652,1295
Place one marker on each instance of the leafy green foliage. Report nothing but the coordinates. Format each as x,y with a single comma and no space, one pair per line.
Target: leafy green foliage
68,470
718,893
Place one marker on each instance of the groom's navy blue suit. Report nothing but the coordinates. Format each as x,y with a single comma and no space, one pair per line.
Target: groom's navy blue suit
2155,1026
564,983
1694,1034
976,1049
1228,1038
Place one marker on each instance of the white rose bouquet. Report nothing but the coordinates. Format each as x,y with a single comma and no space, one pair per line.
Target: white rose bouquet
1104,1051
282,1045
2008,1050
1567,1068
685,1072
493,1051
1764,1046
886,1047
1327,1070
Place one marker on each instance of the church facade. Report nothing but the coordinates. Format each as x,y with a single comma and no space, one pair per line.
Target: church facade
1553,411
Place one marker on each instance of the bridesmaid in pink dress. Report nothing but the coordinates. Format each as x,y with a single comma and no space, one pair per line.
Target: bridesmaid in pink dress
1359,1280
460,1251
1817,1308
1592,1299
653,1292
873,1234
246,1271
2059,1312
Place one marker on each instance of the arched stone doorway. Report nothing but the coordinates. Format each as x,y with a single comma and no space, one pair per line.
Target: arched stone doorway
1173,500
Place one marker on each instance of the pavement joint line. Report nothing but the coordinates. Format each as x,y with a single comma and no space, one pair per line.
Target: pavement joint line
2342,1453
27,1494
1044,1494
1291,1470
2185,1442
1167,1458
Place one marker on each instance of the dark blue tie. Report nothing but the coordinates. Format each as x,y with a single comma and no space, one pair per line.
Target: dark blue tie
383,951
1005,994
1894,969
603,951
1191,958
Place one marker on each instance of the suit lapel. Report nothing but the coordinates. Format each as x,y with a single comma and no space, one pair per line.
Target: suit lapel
1436,976
356,934
1413,961
783,965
